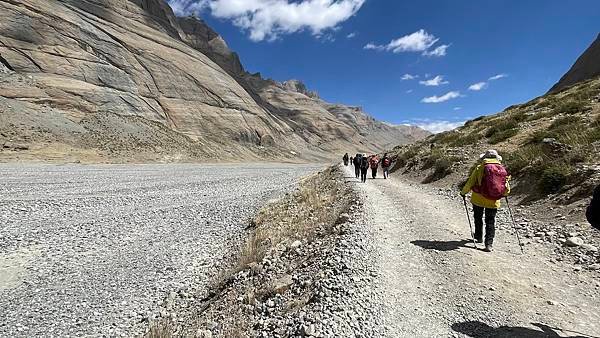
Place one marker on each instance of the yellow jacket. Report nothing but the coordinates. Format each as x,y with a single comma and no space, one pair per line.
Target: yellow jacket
475,180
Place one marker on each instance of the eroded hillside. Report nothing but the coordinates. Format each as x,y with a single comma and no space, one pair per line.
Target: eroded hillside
111,80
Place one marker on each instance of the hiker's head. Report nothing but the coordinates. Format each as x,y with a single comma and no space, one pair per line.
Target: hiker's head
491,154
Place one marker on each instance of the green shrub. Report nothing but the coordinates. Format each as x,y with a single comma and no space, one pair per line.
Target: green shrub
504,124
538,136
549,102
561,122
442,167
553,179
523,157
503,135
570,107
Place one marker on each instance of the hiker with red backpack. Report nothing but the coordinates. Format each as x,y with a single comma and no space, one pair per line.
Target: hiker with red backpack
386,163
489,183
374,164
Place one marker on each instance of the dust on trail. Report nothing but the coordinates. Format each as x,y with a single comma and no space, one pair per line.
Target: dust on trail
436,285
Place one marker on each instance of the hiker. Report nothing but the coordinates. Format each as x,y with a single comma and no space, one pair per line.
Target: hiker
364,167
374,162
489,183
345,158
351,160
357,160
593,210
386,163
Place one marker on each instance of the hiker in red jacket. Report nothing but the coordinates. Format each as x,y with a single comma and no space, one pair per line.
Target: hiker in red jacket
386,163
489,183
374,164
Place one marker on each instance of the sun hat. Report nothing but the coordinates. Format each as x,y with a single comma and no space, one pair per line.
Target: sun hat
491,154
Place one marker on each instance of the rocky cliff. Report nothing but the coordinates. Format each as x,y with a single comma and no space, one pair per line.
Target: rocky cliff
108,80
585,68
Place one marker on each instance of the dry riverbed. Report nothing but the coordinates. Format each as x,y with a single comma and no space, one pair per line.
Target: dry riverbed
101,250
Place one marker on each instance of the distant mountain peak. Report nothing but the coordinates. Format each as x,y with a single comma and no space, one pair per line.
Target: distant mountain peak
585,68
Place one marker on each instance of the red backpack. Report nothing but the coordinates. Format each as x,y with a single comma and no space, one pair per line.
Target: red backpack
386,162
493,184
374,162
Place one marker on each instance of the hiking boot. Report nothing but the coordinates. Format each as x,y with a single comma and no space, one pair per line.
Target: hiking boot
488,248
479,240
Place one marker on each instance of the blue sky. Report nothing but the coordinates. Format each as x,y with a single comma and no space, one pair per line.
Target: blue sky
357,52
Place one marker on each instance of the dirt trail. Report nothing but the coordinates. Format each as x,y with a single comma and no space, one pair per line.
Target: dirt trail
436,285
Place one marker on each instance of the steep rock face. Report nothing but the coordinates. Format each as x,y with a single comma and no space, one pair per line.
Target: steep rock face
585,68
135,64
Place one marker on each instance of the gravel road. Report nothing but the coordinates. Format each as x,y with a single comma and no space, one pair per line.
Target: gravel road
432,283
95,250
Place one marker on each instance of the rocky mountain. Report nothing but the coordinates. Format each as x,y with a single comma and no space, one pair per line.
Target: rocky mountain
114,80
585,68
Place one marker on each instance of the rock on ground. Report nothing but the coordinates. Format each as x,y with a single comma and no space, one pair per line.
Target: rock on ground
101,250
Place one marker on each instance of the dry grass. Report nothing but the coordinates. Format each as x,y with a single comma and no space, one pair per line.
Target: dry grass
296,217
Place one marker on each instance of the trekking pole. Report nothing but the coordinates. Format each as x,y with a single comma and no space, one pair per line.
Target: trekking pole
469,218
514,224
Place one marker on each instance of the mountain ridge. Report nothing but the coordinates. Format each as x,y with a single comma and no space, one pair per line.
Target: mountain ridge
99,87
586,67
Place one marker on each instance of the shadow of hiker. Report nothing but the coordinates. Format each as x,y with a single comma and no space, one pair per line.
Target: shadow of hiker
442,245
478,329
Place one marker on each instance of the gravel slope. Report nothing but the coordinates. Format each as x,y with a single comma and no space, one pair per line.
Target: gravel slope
432,282
95,250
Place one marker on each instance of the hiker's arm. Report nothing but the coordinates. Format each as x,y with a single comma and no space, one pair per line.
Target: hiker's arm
470,182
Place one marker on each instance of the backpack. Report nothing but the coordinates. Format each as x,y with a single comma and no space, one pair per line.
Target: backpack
493,184
386,162
374,162
364,163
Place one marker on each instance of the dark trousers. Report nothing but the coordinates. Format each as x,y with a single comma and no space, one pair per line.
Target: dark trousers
490,224
386,172
363,174
374,172
357,171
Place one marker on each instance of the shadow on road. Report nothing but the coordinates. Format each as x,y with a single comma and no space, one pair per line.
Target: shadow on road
442,245
478,329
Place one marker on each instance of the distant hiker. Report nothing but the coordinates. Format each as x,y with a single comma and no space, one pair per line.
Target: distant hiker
593,210
364,167
346,158
351,160
489,183
386,163
357,160
374,163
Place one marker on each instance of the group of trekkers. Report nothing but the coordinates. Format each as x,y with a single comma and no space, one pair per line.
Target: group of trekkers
488,184
362,163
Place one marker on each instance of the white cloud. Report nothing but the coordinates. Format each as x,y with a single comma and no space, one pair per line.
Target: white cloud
351,35
419,41
498,77
478,86
373,46
436,81
268,19
437,126
438,51
443,98
187,7
409,91
457,108
407,77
